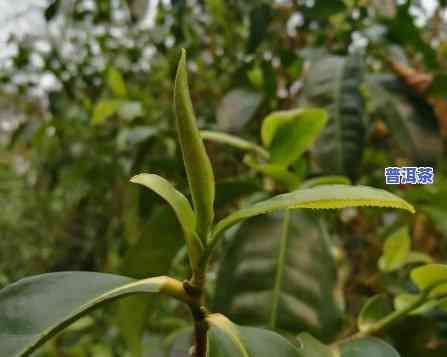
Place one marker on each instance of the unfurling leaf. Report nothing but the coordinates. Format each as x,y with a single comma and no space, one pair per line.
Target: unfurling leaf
197,164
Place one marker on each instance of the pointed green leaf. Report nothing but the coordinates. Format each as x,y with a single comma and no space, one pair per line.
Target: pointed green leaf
197,164
288,134
375,309
225,339
395,250
34,309
320,197
278,271
181,207
431,276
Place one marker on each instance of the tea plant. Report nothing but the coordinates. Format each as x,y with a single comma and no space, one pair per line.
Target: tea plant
34,309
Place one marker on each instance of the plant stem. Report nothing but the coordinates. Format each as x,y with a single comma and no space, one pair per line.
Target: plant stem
390,319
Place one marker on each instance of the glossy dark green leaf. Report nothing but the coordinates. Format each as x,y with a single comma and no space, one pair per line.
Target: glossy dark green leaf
288,134
197,164
226,339
151,256
320,197
279,272
34,309
375,309
237,108
334,83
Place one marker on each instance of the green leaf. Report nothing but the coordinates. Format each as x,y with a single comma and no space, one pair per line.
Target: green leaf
236,109
181,207
326,180
432,277
375,309
33,309
402,301
234,141
288,134
116,83
104,109
311,347
152,255
418,258
334,83
366,347
278,271
320,197
197,164
225,339
395,250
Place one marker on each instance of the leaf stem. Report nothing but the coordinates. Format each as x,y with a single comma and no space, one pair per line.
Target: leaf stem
390,319
235,142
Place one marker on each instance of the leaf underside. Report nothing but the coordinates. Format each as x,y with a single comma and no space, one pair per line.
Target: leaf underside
278,272
333,83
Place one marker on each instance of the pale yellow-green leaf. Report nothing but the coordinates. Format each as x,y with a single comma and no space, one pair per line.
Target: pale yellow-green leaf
181,207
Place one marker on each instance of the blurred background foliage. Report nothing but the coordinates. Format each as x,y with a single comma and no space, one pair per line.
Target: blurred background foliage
86,102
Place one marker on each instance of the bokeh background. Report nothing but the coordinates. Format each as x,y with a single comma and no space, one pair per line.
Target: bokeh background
86,102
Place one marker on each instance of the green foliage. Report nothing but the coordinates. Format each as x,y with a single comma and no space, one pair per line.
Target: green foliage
86,104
